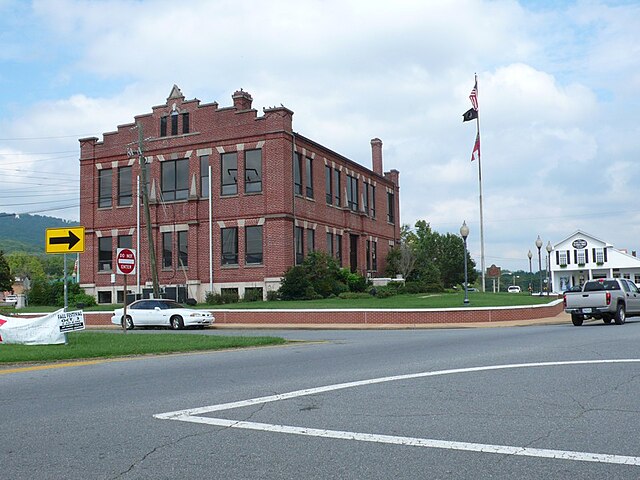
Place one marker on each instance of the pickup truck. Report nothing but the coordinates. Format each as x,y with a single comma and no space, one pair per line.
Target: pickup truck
606,299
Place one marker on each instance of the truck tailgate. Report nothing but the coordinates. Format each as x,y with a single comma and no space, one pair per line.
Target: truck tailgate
586,300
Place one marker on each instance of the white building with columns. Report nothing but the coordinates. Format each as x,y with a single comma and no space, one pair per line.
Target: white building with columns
581,257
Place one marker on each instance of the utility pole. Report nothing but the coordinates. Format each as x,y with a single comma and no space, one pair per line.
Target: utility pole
147,213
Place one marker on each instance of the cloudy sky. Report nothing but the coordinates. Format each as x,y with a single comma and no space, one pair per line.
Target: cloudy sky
558,95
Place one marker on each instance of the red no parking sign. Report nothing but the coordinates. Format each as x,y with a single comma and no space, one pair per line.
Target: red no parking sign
125,261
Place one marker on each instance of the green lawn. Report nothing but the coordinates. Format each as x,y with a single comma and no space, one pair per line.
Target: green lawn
420,300
88,345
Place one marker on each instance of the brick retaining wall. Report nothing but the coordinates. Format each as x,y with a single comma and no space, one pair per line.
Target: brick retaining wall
367,316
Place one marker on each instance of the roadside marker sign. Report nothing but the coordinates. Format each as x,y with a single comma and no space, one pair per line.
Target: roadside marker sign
64,240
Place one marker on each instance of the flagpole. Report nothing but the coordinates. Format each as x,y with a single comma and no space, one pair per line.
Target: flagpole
482,265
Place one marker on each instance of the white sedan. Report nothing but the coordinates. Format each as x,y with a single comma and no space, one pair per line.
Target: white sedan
161,313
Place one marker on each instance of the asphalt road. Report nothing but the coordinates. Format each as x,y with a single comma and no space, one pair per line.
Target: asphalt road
442,418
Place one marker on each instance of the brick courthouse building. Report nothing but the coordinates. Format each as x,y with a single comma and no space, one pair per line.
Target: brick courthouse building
275,196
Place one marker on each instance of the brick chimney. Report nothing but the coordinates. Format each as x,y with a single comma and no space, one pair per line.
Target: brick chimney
376,155
242,100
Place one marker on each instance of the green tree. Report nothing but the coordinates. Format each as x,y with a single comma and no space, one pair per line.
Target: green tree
437,260
24,264
427,269
40,293
6,278
451,261
53,265
51,293
401,259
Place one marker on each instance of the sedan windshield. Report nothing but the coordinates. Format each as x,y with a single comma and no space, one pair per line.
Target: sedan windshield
170,304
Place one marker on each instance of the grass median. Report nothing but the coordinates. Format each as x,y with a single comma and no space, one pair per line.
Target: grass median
91,345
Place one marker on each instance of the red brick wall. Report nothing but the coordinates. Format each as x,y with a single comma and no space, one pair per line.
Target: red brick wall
366,317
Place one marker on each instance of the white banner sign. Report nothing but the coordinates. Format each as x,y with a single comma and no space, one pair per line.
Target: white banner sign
71,321
32,331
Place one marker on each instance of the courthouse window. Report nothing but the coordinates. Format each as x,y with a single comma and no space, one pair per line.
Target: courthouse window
125,190
183,250
175,180
297,174
185,122
167,250
105,254
125,241
352,193
330,244
309,177
163,126
229,246
229,173
299,244
311,240
327,185
253,171
105,183
204,176
253,244
174,123
391,202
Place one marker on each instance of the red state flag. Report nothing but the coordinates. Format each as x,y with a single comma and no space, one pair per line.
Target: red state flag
476,149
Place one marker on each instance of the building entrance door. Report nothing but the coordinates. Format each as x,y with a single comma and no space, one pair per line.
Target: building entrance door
353,252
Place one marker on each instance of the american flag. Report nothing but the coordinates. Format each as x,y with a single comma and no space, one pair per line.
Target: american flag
473,96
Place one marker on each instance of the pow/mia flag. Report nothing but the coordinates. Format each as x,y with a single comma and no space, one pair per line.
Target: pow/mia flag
470,114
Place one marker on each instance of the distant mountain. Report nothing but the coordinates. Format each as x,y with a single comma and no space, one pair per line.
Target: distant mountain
25,233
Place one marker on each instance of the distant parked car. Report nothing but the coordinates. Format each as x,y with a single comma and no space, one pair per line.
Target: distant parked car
514,289
11,299
161,313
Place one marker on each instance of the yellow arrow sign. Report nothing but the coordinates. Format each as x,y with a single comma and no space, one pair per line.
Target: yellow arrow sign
64,240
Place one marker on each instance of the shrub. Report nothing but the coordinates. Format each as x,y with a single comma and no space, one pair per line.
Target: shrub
294,284
273,295
386,291
397,287
354,281
209,298
434,287
230,296
252,295
81,298
212,298
416,287
353,295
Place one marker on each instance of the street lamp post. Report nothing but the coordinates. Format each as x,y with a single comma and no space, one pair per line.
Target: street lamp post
549,278
530,255
464,232
539,245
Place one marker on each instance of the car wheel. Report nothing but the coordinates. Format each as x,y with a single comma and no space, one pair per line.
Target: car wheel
577,319
620,314
606,319
176,323
127,323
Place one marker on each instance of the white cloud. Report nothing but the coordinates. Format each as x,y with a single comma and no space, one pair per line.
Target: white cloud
558,91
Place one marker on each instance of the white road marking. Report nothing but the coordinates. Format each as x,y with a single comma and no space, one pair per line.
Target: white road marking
192,415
